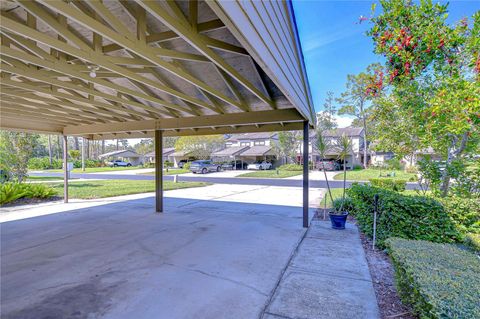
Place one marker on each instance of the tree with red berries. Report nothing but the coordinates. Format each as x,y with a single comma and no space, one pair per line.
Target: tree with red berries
361,89
433,73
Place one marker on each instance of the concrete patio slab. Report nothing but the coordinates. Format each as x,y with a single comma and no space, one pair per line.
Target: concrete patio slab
328,277
210,257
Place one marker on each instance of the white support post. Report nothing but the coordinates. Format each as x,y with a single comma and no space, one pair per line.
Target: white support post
65,169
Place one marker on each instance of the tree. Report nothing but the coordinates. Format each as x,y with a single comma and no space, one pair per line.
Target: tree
74,154
200,146
355,101
433,69
15,151
325,118
144,146
287,146
169,141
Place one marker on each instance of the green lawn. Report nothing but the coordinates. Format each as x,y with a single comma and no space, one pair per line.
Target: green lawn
105,169
271,174
170,172
109,188
366,174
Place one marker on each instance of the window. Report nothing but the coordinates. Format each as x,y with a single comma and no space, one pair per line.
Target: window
244,143
259,143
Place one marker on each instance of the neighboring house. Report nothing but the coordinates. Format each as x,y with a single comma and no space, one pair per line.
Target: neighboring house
124,155
332,137
420,154
248,148
379,158
167,155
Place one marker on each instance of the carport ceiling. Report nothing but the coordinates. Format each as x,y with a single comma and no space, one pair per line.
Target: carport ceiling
111,69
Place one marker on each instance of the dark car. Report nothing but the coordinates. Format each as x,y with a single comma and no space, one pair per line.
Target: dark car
181,163
239,165
328,165
204,166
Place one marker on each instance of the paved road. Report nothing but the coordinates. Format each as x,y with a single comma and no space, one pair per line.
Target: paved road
218,180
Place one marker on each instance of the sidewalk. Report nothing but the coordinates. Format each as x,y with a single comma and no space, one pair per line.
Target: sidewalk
327,277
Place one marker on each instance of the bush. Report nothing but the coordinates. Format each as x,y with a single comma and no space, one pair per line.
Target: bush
291,167
473,241
465,213
44,163
411,217
411,170
357,167
439,281
397,185
89,163
10,192
347,204
186,166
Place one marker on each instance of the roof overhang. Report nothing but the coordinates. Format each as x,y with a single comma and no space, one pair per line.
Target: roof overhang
119,69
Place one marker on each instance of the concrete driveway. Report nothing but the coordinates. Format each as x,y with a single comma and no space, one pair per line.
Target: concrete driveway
212,256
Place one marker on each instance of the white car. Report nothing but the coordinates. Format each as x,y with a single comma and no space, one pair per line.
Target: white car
116,163
260,165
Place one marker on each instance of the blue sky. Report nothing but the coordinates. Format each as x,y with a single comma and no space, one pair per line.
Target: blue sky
334,43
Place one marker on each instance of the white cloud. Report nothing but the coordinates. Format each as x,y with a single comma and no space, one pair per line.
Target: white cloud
343,121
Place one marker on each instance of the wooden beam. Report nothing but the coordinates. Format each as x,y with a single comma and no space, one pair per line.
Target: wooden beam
29,125
134,46
195,40
206,121
158,171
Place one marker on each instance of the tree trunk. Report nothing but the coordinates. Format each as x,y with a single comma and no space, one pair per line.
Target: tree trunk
75,143
103,146
87,148
365,143
453,153
59,147
50,150
117,144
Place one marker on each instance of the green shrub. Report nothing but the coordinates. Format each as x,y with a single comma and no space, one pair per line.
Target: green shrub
473,241
187,165
357,167
438,280
347,204
397,185
291,167
89,163
10,192
412,217
44,163
411,170
465,213
38,191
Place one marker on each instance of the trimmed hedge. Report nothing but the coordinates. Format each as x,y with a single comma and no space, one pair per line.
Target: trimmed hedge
438,280
397,185
411,217
473,241
465,213
291,167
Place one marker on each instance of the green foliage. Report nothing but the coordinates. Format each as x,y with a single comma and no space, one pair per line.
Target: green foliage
15,150
287,145
200,146
291,167
343,205
74,154
437,280
38,191
473,241
465,213
89,163
187,165
12,191
326,118
396,185
411,217
44,163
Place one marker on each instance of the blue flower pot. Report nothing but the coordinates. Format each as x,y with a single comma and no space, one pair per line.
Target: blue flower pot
338,221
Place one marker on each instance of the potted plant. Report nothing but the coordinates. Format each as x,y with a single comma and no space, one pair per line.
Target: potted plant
322,148
338,216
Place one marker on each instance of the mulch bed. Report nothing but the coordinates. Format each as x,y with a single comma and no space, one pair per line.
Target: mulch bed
382,272
31,201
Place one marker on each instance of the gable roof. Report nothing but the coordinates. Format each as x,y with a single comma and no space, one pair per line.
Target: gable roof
120,153
252,136
259,150
230,151
348,131
166,152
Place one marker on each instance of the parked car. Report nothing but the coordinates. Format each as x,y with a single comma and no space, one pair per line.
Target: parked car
181,163
204,167
116,163
329,165
231,165
260,165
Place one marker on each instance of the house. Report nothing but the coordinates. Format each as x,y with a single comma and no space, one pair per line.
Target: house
248,148
167,155
332,137
124,155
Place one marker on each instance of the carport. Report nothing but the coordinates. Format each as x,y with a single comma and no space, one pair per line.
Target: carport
133,157
132,69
